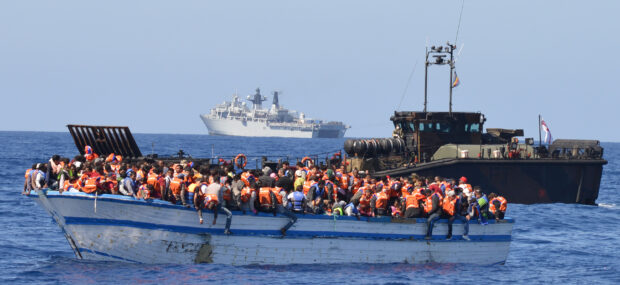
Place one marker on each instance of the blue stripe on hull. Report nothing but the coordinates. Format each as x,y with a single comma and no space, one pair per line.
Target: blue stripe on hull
164,204
271,233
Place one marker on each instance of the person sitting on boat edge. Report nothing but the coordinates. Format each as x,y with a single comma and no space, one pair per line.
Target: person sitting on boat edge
478,206
432,208
497,206
208,197
452,210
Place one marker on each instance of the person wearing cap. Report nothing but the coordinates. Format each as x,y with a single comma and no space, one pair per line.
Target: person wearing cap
452,210
299,179
467,189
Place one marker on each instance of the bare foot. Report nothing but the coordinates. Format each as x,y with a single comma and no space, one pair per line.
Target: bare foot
201,220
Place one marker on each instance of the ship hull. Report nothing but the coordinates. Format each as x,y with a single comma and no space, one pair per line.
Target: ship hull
117,228
521,181
248,128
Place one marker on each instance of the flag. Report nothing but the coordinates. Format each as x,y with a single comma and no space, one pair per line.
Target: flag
456,80
548,137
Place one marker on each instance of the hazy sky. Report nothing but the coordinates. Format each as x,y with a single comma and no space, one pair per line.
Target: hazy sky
156,65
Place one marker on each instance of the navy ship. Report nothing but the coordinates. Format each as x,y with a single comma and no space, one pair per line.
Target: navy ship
235,118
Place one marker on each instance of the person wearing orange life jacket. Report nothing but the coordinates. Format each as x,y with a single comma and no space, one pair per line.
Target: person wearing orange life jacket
467,189
209,197
413,207
497,206
28,179
157,181
89,154
72,185
452,210
364,203
381,202
280,195
308,184
267,200
175,185
432,208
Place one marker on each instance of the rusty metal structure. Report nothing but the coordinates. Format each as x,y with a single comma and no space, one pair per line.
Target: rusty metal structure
105,140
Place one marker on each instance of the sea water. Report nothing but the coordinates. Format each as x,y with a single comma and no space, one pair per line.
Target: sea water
559,243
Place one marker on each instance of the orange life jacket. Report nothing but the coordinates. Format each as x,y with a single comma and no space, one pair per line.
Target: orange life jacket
90,185
382,200
502,206
449,205
413,200
192,187
365,201
227,193
344,181
264,196
175,185
276,191
68,185
428,205
27,172
391,185
246,177
307,185
246,193
211,198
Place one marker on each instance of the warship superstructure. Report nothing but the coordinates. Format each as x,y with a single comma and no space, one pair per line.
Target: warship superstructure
235,118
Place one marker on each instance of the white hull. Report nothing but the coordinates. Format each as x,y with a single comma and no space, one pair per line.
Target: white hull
156,232
248,128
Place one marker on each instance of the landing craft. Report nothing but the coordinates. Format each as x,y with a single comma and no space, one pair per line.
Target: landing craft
453,144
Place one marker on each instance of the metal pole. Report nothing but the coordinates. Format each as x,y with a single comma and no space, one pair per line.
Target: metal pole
425,80
539,134
451,71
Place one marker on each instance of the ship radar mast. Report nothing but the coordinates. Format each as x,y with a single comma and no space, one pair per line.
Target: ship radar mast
439,53
257,99
276,102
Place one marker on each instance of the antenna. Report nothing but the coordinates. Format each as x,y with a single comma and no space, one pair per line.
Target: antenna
458,28
402,97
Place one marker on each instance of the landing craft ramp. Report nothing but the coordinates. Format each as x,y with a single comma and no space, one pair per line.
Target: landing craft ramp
105,140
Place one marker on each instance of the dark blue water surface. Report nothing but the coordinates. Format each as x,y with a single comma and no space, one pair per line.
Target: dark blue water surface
551,242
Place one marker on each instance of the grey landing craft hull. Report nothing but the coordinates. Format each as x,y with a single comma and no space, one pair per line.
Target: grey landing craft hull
521,181
117,228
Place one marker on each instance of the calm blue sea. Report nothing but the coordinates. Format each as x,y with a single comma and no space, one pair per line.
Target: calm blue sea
557,243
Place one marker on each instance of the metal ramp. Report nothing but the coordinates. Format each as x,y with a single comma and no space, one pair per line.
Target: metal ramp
105,140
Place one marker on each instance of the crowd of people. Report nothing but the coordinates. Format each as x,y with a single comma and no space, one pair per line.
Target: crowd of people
290,190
